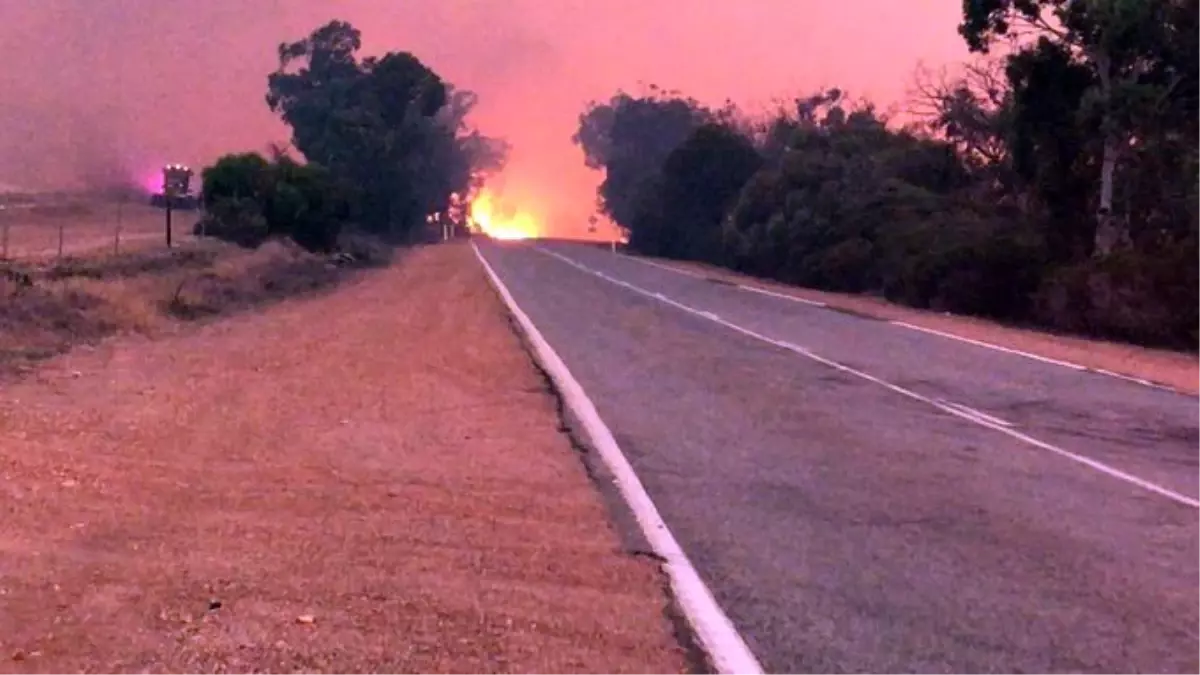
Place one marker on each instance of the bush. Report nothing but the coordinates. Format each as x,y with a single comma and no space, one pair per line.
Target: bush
847,266
237,220
1145,298
963,263
250,200
273,272
361,249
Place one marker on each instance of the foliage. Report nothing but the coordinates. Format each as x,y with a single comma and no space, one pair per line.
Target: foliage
387,129
630,138
699,181
250,199
1054,183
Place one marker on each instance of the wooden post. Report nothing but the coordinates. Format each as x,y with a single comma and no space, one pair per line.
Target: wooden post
168,220
61,228
117,230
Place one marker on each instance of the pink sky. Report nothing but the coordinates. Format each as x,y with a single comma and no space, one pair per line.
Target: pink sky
143,82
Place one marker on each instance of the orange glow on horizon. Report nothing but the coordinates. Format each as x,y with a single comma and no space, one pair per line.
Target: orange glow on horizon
489,218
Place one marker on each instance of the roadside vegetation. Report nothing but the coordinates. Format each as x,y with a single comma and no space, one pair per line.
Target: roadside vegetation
385,145
48,307
1051,181
382,151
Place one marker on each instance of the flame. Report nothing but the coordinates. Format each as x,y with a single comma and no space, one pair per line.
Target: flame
488,218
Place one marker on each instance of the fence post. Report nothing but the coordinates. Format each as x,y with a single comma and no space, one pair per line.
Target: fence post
117,229
61,227
4,238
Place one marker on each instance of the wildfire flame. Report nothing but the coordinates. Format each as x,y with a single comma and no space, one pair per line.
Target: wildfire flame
487,216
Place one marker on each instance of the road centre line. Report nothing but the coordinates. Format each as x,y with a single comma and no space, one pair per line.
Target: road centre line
973,416
931,331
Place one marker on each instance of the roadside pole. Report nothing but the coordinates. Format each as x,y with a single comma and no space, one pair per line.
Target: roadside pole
168,198
117,230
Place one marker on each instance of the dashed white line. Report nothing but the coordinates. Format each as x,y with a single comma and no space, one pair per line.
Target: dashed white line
669,268
716,633
974,412
782,296
972,416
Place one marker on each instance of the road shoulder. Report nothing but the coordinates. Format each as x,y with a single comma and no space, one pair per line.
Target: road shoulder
374,479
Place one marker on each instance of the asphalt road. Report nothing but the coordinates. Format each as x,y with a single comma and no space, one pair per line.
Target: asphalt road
846,526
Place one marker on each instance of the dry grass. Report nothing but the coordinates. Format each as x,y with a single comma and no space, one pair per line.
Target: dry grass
93,226
369,480
1178,370
80,299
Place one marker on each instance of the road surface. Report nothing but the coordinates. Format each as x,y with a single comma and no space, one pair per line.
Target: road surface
864,497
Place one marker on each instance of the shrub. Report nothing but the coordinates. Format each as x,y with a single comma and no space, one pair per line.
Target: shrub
1146,298
963,263
250,200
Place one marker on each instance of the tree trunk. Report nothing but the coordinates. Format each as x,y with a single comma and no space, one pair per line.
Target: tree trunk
1108,233
1109,229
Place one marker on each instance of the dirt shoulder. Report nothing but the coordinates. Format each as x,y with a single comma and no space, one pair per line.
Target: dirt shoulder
371,479
1180,371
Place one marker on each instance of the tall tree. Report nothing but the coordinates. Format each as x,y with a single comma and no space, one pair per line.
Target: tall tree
629,138
388,128
1118,43
699,182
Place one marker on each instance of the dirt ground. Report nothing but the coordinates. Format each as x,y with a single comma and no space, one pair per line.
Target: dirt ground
1178,370
90,226
371,479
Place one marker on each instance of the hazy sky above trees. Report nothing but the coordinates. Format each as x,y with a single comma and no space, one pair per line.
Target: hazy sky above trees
118,87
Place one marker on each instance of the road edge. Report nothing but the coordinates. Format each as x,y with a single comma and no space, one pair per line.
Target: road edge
994,346
716,635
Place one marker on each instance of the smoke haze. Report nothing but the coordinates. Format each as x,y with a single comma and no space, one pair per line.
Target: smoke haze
100,93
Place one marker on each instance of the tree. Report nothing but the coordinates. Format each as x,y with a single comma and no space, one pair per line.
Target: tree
972,110
629,138
699,181
388,129
1117,43
250,199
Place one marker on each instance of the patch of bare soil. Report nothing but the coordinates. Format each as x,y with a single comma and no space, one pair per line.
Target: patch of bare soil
1178,370
365,480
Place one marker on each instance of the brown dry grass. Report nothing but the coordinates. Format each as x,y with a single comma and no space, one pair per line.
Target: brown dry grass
34,233
364,480
81,299
1177,370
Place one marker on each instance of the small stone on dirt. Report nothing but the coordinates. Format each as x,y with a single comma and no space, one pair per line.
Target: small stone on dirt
214,604
306,619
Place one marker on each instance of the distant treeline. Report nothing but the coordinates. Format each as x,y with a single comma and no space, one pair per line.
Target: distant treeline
1055,184
384,142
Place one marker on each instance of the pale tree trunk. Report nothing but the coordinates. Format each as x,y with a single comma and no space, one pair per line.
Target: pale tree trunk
1110,231
1107,226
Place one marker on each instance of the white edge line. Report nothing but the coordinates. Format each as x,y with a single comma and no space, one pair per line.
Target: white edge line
717,635
971,417
931,331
